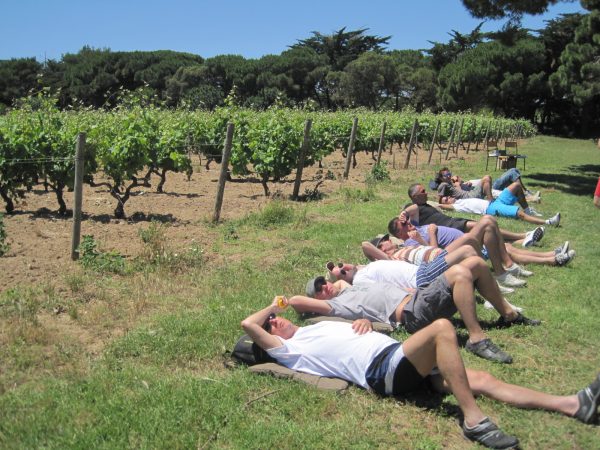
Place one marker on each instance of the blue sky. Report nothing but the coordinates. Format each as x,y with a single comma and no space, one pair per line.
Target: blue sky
50,28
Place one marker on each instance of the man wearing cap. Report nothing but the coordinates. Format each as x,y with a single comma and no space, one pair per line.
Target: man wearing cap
382,295
375,361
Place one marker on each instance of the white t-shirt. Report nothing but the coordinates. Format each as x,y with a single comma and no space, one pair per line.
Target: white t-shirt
331,349
398,273
471,205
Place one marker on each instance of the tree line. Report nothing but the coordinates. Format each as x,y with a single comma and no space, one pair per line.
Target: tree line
549,76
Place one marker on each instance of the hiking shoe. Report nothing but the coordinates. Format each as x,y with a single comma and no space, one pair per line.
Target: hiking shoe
531,237
505,289
520,320
488,305
518,270
554,220
588,402
562,248
507,279
489,435
562,259
486,349
532,212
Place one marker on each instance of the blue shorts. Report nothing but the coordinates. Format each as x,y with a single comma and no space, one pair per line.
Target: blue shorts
391,373
428,272
504,205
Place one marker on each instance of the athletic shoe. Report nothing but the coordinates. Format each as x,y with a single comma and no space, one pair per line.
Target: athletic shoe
520,320
532,212
588,402
554,220
509,280
562,248
489,435
486,349
505,290
563,259
518,270
533,197
532,237
488,305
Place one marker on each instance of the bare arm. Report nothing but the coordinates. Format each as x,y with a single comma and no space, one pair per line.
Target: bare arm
410,213
432,230
252,325
372,252
301,304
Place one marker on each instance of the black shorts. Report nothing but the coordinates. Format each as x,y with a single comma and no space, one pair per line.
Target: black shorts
406,378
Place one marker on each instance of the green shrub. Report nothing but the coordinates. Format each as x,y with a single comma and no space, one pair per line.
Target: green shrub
92,258
275,213
379,172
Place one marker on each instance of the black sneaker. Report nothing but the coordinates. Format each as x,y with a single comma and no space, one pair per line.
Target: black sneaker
588,402
520,320
486,349
489,435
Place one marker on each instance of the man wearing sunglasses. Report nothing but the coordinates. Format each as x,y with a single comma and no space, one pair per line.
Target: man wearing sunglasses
382,292
455,187
378,362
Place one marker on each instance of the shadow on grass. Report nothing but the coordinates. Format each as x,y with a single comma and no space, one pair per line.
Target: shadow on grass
581,180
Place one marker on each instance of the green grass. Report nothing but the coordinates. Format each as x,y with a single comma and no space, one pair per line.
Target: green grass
161,383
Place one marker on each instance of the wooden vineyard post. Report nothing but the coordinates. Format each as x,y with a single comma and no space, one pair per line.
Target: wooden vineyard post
451,139
459,136
302,158
381,141
435,133
485,139
350,147
411,144
223,175
78,195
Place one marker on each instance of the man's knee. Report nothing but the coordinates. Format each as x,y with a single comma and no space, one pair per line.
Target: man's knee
443,327
486,179
457,274
481,382
488,221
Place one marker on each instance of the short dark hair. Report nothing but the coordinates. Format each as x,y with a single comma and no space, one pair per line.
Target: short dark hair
392,226
439,177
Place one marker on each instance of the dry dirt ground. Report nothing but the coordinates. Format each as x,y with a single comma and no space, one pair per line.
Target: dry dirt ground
40,239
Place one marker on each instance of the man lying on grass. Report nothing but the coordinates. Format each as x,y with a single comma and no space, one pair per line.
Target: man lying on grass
421,213
441,236
375,361
380,293
503,206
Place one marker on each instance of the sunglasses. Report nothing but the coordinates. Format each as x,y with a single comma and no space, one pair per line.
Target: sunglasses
447,174
319,283
330,266
267,325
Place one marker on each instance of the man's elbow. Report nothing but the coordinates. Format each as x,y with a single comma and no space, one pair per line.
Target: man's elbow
246,324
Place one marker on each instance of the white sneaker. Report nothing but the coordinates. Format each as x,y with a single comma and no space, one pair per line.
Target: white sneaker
554,220
563,259
532,197
562,248
532,212
531,237
518,271
488,305
510,280
505,290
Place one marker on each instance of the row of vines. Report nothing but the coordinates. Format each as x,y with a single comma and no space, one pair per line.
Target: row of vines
127,145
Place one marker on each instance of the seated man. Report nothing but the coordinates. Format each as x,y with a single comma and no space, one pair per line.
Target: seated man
421,213
503,206
376,361
449,186
380,294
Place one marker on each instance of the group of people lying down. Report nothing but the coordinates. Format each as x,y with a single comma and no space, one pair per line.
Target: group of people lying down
421,273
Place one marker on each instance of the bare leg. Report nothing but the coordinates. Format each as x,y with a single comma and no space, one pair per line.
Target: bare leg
516,190
483,280
486,231
486,186
508,235
483,383
434,345
527,218
521,256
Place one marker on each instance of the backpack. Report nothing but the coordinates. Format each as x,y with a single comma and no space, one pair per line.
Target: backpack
248,353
